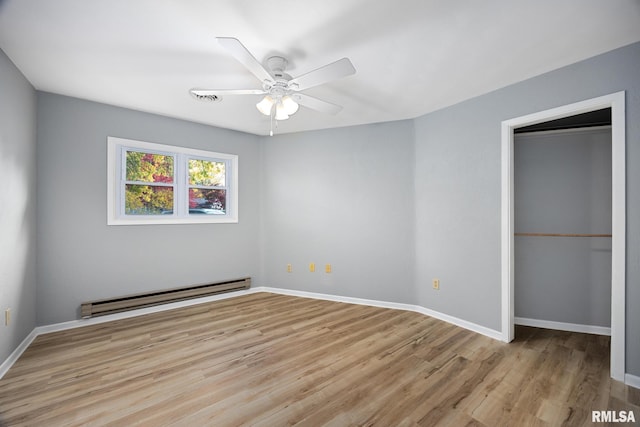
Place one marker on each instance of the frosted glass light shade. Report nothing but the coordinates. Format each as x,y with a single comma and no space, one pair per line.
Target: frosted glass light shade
265,105
290,106
281,112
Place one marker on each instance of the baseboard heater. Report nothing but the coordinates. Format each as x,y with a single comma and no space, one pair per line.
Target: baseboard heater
132,302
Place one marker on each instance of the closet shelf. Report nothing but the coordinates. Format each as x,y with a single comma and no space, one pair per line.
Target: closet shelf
560,235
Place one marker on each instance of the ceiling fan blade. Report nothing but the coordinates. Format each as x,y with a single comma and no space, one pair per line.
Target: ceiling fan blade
336,70
316,104
206,92
238,51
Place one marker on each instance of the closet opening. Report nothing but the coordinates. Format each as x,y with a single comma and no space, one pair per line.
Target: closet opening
562,223
551,241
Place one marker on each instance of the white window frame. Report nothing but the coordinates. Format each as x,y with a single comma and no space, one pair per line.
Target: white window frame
116,149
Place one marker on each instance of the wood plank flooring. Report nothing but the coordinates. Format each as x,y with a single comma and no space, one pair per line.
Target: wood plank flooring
273,360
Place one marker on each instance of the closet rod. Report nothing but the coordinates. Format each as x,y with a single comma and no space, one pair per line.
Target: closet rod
561,235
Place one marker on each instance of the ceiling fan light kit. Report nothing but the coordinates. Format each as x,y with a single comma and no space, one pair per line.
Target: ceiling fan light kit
282,92
285,106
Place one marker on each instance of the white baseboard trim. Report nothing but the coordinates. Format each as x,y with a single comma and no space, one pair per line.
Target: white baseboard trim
497,335
482,330
632,380
13,357
139,312
337,298
562,326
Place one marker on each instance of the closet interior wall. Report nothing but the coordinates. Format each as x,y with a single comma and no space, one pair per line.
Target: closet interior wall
563,192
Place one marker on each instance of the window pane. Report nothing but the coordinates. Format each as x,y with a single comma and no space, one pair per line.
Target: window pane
209,202
148,200
148,167
207,173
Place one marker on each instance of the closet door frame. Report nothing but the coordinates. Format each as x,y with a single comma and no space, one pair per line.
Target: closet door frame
615,101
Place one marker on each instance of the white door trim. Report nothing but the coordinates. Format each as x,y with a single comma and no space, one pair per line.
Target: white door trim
616,102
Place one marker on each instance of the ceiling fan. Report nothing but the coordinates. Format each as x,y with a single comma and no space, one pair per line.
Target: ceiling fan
281,91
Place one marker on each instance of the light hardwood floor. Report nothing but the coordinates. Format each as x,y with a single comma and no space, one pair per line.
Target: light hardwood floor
272,360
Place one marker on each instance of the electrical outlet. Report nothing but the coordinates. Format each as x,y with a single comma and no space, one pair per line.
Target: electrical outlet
327,268
436,284
312,267
289,268
7,317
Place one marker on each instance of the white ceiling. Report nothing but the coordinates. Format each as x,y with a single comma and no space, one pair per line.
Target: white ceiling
411,56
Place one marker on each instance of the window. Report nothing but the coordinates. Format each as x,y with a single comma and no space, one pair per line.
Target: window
162,184
149,183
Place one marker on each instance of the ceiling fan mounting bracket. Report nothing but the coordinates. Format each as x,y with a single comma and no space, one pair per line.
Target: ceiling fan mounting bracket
277,65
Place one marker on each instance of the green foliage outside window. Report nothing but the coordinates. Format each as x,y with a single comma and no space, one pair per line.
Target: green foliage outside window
206,173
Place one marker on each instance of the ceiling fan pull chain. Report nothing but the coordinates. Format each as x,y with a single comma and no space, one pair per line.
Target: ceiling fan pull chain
271,117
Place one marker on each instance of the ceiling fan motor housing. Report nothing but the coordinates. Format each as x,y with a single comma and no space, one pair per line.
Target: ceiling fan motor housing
279,87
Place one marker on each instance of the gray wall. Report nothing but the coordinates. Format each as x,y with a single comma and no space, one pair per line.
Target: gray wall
17,206
458,187
343,197
457,182
562,185
80,258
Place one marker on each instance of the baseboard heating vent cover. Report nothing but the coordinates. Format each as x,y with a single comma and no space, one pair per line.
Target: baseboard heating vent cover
132,302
